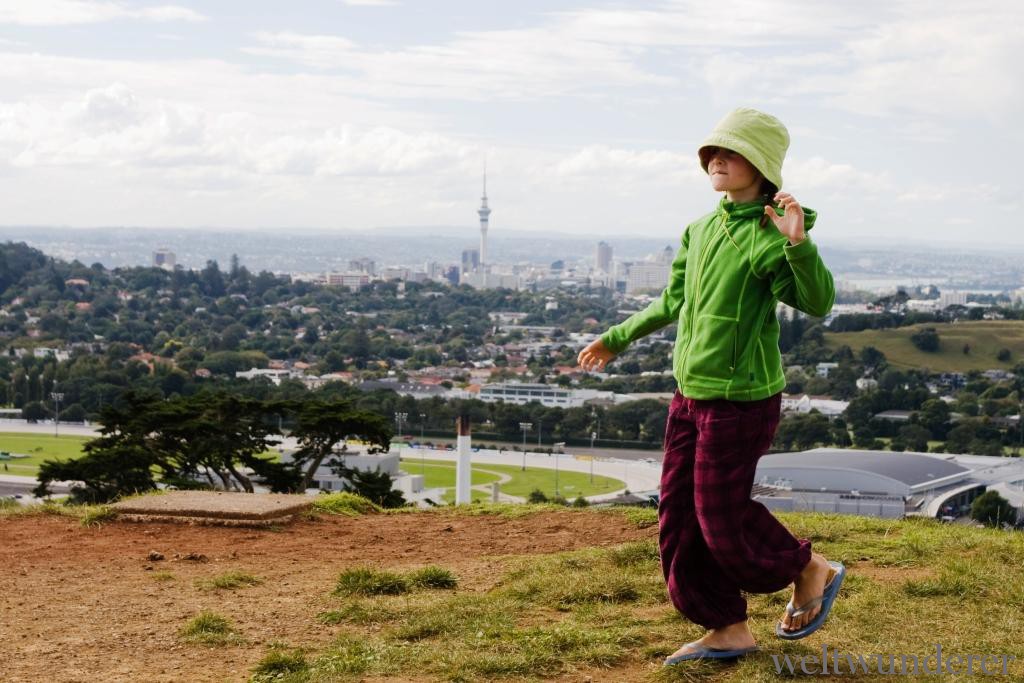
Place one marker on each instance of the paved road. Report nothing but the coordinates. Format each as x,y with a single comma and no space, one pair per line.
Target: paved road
10,485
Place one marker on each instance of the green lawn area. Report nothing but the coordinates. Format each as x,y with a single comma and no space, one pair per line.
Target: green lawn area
39,447
570,484
985,337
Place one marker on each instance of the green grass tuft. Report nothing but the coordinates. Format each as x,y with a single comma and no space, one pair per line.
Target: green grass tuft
345,503
634,554
432,577
368,581
281,665
641,518
96,515
208,628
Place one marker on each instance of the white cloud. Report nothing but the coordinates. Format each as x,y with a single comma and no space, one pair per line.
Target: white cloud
370,3
65,12
816,173
112,127
581,114
904,59
521,64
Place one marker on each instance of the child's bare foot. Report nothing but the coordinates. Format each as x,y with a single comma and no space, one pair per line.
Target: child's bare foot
732,637
809,585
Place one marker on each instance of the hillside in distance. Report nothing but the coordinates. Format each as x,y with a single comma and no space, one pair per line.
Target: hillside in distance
983,338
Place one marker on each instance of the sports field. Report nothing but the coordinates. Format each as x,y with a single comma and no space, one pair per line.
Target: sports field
441,474
38,447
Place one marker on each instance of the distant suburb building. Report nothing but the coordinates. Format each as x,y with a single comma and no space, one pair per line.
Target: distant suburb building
650,275
603,257
550,395
164,258
354,281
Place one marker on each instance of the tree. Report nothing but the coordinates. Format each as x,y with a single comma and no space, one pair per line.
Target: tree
1003,355
34,411
802,432
960,437
321,426
183,440
934,416
216,434
991,509
101,475
536,496
376,485
871,357
212,280
914,437
926,339
118,462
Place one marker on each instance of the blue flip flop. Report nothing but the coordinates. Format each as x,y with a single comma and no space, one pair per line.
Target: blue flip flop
825,600
702,652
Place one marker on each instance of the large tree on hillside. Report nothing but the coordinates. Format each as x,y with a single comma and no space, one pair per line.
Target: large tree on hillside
182,442
322,425
121,461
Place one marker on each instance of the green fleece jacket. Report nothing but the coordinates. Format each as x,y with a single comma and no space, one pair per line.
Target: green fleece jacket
726,281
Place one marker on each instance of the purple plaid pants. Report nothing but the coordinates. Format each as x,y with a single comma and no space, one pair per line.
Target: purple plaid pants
715,541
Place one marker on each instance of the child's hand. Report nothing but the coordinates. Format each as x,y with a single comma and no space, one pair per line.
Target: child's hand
595,356
790,224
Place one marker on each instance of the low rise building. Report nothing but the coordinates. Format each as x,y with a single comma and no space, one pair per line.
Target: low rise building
805,403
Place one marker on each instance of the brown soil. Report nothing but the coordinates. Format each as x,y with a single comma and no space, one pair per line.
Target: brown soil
87,604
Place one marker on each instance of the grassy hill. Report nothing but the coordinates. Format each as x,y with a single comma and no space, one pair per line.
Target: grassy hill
985,337
513,593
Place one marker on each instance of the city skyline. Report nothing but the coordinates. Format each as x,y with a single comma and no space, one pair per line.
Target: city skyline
350,116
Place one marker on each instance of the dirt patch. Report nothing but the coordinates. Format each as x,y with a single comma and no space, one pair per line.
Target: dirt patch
87,604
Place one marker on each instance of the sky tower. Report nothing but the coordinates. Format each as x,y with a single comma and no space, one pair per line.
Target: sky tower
484,214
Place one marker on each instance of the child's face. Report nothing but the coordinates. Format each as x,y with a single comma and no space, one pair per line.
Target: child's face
730,171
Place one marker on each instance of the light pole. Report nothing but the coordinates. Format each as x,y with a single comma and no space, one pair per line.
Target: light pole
593,435
1020,426
525,426
57,397
556,474
423,451
597,420
399,418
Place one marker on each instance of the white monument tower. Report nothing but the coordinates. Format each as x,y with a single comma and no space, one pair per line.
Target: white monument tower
463,466
484,214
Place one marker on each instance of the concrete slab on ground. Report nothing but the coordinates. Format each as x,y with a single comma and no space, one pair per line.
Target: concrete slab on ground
214,507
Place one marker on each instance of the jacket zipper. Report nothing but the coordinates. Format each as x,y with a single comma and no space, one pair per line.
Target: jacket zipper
696,294
735,347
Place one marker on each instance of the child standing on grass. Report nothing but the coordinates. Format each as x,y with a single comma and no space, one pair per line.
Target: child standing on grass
735,264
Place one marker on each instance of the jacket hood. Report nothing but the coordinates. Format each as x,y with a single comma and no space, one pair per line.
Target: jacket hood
755,209
759,137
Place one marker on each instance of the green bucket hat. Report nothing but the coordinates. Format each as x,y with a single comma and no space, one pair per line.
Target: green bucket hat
759,137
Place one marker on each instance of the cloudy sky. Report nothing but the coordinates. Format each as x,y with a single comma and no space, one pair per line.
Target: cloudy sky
357,114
